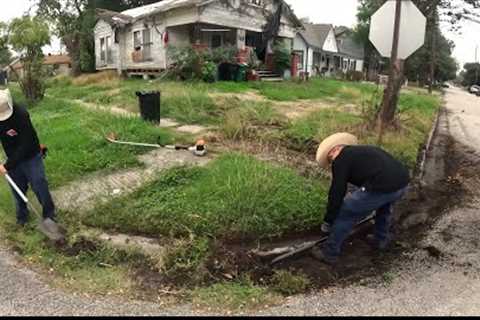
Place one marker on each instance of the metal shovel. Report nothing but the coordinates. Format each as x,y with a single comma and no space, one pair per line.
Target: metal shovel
47,226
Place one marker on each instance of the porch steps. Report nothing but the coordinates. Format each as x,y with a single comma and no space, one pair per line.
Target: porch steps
269,76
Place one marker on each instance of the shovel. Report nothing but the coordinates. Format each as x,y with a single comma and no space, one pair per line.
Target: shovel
47,226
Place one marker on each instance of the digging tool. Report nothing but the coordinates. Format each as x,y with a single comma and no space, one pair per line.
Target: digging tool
47,226
290,251
199,149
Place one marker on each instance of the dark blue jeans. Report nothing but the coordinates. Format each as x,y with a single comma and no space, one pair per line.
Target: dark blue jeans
32,172
356,207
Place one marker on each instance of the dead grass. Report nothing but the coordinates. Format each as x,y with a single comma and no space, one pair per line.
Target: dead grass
101,78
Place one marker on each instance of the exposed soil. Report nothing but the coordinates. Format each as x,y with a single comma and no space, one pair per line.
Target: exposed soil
425,203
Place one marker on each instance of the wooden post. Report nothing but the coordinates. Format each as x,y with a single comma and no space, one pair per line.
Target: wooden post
387,113
433,59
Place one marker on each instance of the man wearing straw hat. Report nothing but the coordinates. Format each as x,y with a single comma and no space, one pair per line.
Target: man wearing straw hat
24,157
381,181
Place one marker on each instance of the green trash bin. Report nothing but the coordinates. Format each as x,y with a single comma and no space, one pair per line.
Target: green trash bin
241,74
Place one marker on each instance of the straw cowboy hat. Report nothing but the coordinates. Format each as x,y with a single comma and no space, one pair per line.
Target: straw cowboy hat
329,143
6,105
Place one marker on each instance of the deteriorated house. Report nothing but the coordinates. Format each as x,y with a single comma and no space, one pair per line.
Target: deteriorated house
135,41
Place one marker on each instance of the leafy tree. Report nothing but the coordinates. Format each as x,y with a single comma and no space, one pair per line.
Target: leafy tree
471,74
28,36
441,64
417,67
73,24
5,54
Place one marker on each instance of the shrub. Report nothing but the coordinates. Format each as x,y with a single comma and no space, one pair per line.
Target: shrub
282,58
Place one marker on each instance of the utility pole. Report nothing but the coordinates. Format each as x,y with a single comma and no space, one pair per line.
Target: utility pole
476,65
390,97
434,49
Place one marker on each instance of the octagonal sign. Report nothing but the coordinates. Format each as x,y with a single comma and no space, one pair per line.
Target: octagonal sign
412,29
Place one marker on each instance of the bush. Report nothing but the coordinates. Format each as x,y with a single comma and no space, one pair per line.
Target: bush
353,75
282,57
189,63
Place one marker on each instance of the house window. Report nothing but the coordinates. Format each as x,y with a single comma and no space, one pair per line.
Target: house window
108,41
103,51
147,44
142,40
216,40
106,50
256,2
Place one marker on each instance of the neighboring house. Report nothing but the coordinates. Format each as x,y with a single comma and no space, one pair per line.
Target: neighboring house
317,48
135,41
352,53
58,64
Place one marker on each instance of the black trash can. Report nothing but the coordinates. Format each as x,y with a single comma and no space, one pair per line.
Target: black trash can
149,102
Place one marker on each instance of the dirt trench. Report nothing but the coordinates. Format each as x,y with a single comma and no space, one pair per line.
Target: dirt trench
450,170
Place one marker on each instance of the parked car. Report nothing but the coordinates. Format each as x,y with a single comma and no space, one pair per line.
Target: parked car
445,85
474,89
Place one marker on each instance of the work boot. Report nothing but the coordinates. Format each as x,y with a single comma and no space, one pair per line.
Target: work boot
378,245
320,255
326,227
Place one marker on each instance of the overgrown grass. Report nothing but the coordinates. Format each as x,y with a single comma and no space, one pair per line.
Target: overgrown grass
346,92
76,139
236,195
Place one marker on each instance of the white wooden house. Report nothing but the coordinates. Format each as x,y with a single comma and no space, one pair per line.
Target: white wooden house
136,41
352,53
317,48
324,49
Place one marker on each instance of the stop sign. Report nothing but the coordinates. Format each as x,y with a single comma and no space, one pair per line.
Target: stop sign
412,29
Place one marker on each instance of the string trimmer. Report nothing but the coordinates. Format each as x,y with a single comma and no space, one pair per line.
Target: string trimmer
199,149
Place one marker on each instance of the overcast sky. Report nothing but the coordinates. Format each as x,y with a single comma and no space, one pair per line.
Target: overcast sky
337,12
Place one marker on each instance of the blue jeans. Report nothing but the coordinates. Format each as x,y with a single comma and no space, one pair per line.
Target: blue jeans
359,205
32,172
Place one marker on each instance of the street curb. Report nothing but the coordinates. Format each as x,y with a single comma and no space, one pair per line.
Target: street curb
433,131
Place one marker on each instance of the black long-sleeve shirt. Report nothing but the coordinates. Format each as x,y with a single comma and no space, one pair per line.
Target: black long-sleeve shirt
364,166
19,138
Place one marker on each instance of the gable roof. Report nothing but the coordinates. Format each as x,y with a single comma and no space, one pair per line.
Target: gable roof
158,7
128,16
316,34
347,44
113,18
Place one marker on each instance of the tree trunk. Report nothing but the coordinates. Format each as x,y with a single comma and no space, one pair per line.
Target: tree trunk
73,47
390,97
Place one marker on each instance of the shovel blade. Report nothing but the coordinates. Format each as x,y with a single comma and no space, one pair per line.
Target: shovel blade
50,228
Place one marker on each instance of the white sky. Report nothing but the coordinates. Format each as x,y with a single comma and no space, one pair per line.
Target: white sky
337,12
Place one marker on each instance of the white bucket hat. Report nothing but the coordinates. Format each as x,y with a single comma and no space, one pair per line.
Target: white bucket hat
329,143
6,105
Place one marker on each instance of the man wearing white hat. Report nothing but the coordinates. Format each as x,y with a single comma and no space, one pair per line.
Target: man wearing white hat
381,181
24,157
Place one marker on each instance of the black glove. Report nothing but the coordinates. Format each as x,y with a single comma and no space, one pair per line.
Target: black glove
43,151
